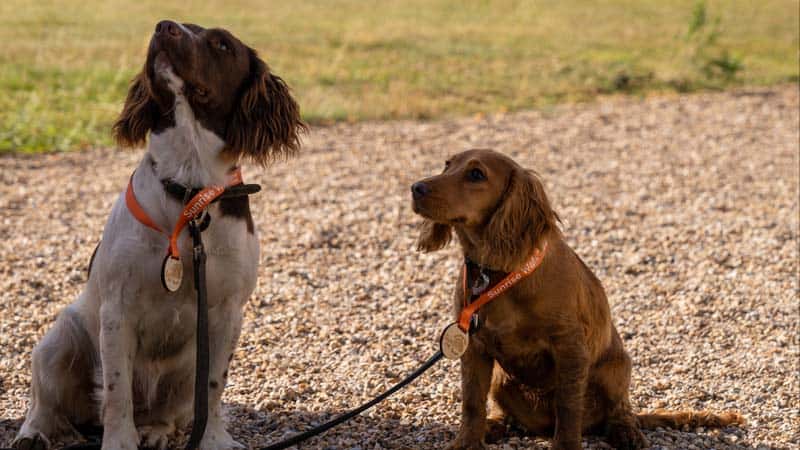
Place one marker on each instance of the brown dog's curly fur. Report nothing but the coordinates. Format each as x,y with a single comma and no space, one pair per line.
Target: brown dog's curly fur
547,355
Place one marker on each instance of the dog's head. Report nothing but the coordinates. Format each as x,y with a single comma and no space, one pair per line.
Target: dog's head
489,197
230,90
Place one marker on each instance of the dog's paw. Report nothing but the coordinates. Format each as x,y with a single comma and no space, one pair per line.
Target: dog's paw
155,436
32,440
217,438
627,437
466,444
567,445
122,438
496,430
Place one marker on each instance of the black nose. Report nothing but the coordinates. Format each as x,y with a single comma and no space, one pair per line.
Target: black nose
420,189
168,28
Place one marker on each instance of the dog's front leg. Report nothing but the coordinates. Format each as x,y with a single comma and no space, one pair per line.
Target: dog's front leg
572,368
476,378
223,335
117,353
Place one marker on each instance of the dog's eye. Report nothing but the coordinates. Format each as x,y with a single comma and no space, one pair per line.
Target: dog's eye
222,45
476,175
446,165
200,94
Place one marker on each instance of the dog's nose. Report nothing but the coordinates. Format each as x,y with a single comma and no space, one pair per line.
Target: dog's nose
420,189
168,28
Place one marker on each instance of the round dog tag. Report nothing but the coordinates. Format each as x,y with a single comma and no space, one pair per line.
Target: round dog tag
454,341
171,273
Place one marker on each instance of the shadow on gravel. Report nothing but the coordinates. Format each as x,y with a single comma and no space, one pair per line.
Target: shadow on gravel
256,428
8,429
259,428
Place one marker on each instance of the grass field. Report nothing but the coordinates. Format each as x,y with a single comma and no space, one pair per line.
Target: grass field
65,65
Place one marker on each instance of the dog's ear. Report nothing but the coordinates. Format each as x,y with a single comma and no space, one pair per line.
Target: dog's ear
138,116
433,236
266,121
524,215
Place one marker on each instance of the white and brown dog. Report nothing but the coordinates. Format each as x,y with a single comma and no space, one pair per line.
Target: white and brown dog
123,354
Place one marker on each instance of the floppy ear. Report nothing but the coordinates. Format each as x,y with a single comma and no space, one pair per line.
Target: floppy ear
433,236
266,123
519,222
138,115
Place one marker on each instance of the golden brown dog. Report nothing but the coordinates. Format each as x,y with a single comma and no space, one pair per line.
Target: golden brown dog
546,353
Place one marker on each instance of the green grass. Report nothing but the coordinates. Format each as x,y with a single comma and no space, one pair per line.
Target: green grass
65,65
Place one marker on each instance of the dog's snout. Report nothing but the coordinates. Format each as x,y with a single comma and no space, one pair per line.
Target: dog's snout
420,189
168,28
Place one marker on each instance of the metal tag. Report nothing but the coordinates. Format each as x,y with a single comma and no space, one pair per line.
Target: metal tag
171,273
453,342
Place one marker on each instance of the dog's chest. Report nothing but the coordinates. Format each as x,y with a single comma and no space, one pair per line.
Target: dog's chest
166,331
521,352
167,325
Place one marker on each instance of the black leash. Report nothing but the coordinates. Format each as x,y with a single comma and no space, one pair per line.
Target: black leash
296,439
202,355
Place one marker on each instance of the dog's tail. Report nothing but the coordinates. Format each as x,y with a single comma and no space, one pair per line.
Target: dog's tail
677,419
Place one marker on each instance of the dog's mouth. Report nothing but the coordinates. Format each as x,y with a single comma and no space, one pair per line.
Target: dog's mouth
435,215
161,64
420,209
164,72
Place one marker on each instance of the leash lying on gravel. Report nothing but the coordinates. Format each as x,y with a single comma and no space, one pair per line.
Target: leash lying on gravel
300,437
453,342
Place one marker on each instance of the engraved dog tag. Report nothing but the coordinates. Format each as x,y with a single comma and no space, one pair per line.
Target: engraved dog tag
171,273
454,341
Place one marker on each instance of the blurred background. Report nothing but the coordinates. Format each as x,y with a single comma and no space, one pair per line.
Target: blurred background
65,65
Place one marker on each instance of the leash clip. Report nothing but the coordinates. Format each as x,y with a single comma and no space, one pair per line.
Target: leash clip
474,323
194,231
197,251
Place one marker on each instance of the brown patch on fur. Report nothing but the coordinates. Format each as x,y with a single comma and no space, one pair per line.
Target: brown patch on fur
266,124
547,355
138,116
231,92
238,207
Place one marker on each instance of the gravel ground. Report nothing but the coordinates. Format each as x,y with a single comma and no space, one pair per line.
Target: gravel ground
685,206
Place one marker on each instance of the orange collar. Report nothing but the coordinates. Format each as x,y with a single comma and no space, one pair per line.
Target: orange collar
511,279
192,210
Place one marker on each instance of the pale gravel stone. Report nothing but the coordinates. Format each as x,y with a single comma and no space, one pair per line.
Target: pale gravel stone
686,207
